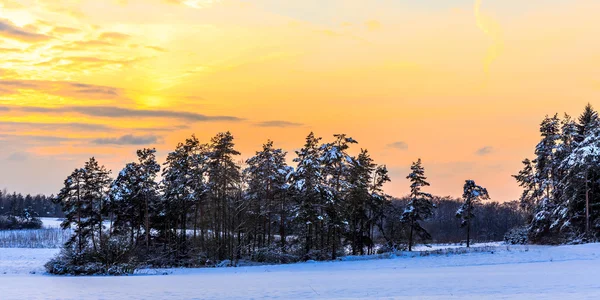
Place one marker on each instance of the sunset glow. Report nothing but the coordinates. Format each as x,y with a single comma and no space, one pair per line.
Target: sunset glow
460,84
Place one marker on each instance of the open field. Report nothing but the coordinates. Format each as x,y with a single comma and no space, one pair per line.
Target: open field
497,272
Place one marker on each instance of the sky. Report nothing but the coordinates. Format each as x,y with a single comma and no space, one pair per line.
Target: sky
461,84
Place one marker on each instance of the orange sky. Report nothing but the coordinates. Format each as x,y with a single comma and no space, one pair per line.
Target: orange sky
462,84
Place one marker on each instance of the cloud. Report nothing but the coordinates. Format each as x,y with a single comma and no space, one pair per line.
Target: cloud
18,156
156,48
114,36
62,89
128,139
65,30
11,31
494,32
74,126
37,138
194,3
398,145
278,124
484,151
117,112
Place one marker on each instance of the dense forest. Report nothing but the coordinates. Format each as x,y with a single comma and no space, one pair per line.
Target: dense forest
561,184
23,212
208,209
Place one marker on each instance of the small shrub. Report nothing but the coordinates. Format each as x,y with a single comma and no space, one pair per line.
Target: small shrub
517,236
274,256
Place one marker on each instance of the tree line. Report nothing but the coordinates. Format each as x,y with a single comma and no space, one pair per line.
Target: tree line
23,212
561,184
209,209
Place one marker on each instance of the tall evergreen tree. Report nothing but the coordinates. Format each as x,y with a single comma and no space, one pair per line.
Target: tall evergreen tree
419,207
224,177
337,163
70,198
309,189
359,202
472,195
267,191
526,180
95,193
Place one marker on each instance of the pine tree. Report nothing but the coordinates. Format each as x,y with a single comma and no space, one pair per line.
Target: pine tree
337,163
308,188
224,177
473,195
588,120
526,180
174,204
583,166
546,174
95,194
134,195
267,193
73,206
420,206
359,202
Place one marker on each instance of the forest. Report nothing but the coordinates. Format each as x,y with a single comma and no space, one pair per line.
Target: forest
208,209
202,207
561,184
23,212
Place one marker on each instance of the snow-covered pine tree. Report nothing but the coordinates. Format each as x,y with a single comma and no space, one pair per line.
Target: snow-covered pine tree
267,193
71,201
586,122
583,165
149,169
197,155
134,196
174,206
529,198
359,201
419,207
337,164
473,194
379,204
97,182
124,191
546,167
223,186
308,188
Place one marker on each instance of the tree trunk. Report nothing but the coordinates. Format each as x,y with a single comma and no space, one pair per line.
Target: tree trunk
410,236
587,203
468,232
147,225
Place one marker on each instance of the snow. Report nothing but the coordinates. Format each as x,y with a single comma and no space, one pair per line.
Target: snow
495,272
51,222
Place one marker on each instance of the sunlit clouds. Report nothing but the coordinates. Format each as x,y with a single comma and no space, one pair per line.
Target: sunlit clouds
460,84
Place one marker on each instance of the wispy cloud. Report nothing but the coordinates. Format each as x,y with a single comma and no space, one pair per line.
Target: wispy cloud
484,151
18,156
62,88
9,125
117,112
11,31
114,36
398,145
128,139
278,124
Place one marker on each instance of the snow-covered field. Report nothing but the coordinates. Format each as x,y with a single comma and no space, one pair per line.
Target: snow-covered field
516,272
51,222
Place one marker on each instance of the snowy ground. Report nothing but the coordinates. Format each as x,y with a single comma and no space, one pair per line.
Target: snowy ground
520,272
51,222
